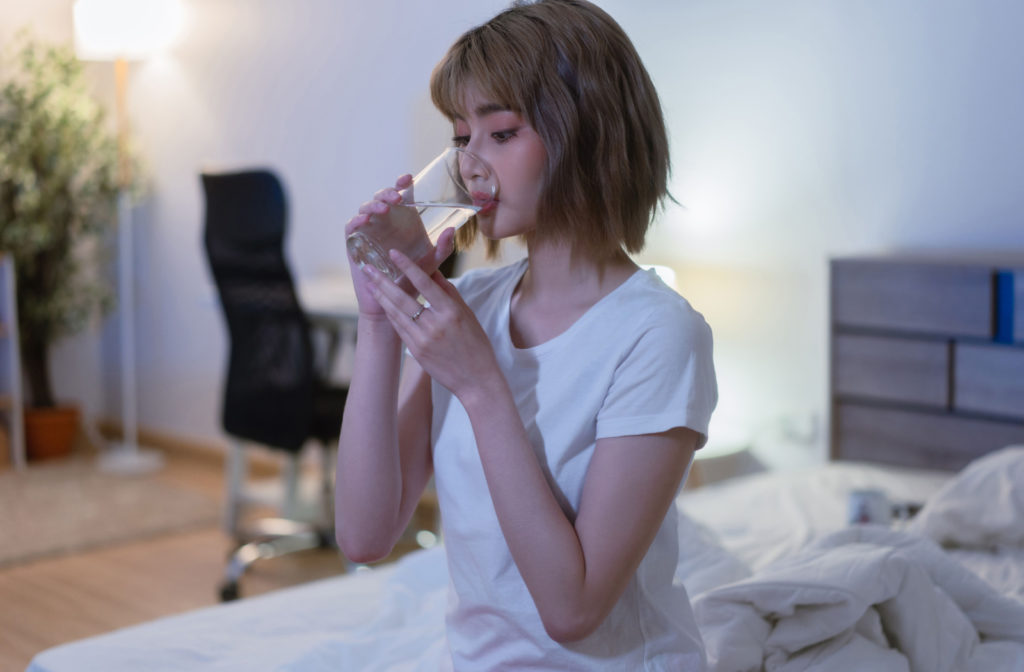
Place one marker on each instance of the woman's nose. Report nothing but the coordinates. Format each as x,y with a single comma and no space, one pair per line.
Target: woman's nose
471,166
477,173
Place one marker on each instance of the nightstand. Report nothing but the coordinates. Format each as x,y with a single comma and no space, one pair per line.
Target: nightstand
723,458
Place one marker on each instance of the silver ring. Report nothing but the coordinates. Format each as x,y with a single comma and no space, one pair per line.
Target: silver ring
419,312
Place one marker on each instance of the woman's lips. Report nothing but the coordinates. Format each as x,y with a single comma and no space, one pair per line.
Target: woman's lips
485,202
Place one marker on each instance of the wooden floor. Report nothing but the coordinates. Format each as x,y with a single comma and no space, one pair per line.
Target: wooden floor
62,599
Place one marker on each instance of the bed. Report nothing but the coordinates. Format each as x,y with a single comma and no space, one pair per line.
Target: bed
778,579
925,374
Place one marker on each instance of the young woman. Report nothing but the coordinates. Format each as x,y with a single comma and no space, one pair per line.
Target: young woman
557,401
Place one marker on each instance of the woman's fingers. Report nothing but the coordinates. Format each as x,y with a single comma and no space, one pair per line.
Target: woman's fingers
419,279
395,301
356,222
445,246
389,195
374,208
445,284
385,197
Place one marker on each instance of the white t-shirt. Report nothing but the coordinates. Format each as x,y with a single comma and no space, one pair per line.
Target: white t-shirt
637,362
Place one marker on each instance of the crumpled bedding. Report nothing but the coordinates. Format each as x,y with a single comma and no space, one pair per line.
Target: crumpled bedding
982,507
978,517
868,597
862,599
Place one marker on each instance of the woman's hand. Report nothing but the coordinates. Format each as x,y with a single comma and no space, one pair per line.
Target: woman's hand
444,336
382,201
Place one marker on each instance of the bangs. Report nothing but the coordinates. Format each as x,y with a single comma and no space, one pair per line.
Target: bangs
482,61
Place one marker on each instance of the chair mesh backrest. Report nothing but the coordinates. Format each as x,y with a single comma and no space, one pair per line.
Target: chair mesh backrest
268,395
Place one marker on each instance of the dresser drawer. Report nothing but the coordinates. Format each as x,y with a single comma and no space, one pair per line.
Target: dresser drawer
912,296
892,369
916,439
989,379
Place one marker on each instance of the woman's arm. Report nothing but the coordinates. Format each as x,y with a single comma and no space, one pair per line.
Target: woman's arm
575,570
384,449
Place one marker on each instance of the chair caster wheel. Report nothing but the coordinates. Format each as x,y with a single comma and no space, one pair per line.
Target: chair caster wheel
229,591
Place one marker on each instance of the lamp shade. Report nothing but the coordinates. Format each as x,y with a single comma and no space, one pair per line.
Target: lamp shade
107,30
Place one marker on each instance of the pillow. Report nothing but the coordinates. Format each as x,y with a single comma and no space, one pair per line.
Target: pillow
982,506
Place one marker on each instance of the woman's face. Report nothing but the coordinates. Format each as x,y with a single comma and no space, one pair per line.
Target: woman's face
515,152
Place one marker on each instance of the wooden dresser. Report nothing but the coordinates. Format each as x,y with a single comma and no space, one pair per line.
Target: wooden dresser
926,358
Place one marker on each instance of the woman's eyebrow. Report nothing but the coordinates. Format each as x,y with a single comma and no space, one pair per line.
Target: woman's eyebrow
490,108
484,109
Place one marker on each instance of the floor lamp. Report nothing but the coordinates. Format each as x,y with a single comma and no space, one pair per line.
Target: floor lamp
123,31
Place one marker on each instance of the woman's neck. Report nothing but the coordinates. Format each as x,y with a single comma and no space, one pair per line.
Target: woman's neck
558,275
558,287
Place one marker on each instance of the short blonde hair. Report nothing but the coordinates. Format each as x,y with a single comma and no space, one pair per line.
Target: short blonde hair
572,72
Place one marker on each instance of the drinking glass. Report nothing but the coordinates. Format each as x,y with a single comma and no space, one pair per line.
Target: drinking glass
450,190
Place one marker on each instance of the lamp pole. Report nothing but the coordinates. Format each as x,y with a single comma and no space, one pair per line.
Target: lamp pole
118,30
126,457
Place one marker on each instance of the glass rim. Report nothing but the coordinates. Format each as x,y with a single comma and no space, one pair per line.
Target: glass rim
455,174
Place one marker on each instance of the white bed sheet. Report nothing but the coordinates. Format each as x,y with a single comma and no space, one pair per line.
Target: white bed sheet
388,618
1002,568
392,618
764,517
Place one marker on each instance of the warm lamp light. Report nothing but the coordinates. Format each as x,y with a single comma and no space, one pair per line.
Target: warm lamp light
108,30
122,31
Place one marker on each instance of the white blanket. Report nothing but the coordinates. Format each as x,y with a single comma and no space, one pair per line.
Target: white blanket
863,599
982,507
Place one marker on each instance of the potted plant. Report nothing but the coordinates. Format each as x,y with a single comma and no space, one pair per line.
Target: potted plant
58,190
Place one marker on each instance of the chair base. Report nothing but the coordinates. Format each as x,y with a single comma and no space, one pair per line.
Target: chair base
271,537
263,538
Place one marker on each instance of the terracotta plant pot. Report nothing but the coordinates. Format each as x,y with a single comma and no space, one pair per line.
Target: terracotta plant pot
50,432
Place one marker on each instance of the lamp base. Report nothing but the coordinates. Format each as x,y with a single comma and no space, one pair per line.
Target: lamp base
128,459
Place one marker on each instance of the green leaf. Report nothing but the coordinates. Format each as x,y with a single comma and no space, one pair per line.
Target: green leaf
58,188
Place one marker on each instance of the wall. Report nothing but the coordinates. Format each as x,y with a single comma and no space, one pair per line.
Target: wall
803,130
800,129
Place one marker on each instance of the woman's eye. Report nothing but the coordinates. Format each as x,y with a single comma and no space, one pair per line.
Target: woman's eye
460,140
504,136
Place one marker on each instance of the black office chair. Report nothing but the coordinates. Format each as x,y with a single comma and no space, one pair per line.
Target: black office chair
275,393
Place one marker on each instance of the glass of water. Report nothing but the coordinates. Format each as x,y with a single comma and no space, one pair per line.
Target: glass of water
451,189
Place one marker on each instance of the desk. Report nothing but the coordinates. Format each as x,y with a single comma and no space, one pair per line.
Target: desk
329,298
329,302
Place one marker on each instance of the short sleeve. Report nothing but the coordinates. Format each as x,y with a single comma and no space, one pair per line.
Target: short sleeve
665,380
